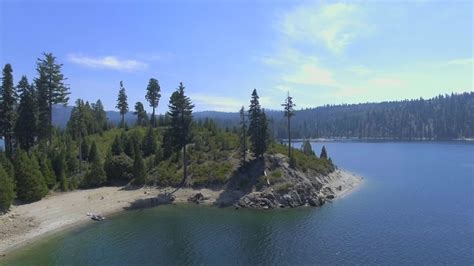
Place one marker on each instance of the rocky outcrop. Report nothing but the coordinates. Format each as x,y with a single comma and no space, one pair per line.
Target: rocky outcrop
197,198
297,188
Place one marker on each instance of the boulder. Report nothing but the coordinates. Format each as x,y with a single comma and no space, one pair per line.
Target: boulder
197,198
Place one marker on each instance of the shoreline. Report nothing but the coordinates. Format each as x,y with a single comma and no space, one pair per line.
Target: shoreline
59,212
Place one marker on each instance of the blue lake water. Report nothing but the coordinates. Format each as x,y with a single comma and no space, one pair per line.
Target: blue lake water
415,207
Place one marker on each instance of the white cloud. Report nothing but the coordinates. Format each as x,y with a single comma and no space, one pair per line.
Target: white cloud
108,62
311,74
335,25
360,70
216,103
386,82
463,61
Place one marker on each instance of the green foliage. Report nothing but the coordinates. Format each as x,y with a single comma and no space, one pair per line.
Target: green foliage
284,187
211,173
119,168
180,112
96,176
51,90
117,146
7,108
122,104
139,172
307,149
7,193
46,168
142,117
324,153
258,126
153,97
165,174
93,153
31,185
26,125
149,144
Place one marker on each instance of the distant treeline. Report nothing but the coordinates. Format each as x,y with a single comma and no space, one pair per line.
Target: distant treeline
445,117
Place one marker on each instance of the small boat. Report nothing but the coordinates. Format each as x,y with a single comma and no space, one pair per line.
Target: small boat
97,217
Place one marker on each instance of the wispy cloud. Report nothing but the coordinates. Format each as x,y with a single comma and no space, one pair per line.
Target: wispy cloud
217,103
107,62
360,70
335,25
463,61
310,74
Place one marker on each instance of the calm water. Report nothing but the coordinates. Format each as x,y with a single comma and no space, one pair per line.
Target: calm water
415,207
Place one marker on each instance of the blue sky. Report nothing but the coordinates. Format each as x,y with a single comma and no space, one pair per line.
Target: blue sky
323,52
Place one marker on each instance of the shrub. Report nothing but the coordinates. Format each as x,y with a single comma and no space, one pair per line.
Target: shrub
7,193
119,168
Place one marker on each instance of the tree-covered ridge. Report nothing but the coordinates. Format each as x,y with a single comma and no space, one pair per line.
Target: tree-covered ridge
445,117
174,149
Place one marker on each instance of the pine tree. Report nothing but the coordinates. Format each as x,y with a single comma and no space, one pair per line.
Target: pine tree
46,168
51,90
289,112
139,173
324,154
149,143
243,136
153,97
307,149
84,151
96,176
117,146
122,104
180,112
100,116
258,127
30,182
7,109
142,117
93,155
25,128
7,190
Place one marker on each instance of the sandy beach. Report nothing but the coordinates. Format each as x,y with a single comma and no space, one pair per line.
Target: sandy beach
58,211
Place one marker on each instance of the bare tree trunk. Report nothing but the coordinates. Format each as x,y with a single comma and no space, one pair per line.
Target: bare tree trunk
289,138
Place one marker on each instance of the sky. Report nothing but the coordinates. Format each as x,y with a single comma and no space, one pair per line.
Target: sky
321,52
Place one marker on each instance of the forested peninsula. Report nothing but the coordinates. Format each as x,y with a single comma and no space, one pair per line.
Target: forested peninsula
245,164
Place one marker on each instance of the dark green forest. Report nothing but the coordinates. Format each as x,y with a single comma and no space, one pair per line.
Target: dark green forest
175,149
445,117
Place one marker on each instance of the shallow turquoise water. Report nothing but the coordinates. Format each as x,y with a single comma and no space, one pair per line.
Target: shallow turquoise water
415,207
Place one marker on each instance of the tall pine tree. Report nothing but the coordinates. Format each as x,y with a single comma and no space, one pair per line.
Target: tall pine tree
258,126
288,111
51,90
153,97
31,185
142,117
7,109
25,128
180,112
122,104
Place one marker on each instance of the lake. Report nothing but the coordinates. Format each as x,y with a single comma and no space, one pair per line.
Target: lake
415,207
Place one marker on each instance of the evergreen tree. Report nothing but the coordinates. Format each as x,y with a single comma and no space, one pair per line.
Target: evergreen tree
7,190
46,168
122,104
324,154
96,176
243,136
258,127
93,155
153,97
7,109
307,149
117,146
289,112
180,112
149,143
30,182
84,151
25,128
142,117
139,173
51,90
100,116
